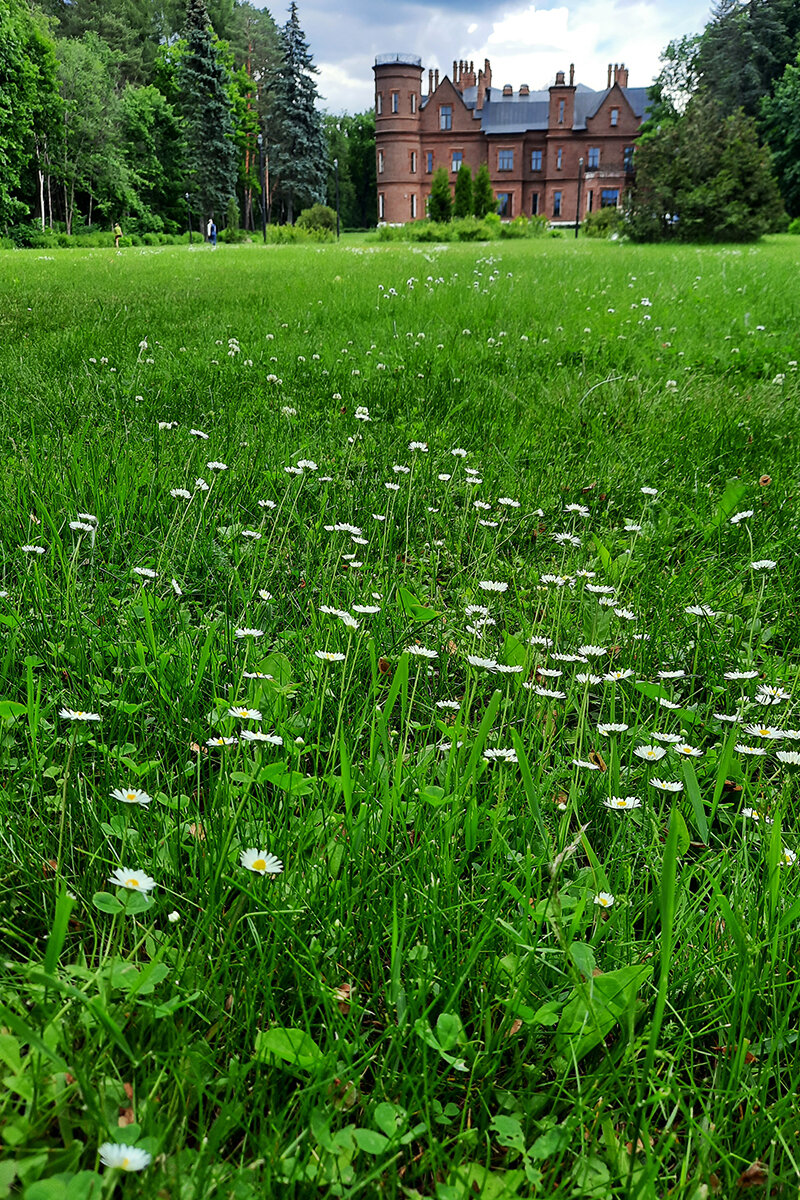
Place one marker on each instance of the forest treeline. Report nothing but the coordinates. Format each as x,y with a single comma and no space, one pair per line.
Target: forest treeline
117,110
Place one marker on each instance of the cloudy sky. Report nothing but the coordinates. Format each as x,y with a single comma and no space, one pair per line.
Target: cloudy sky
525,42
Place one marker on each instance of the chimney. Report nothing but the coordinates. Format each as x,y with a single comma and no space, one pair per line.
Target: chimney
430,81
524,90
436,77
622,76
487,73
468,78
455,73
559,79
608,84
572,74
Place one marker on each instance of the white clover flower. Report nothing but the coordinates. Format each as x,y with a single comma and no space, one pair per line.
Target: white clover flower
134,881
604,899
622,803
260,862
131,796
77,714
125,1158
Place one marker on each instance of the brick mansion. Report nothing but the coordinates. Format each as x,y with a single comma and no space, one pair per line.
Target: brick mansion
540,147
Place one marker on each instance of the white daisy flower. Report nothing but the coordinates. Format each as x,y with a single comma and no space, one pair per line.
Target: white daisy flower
77,714
763,564
667,785
331,656
585,764
219,742
604,899
198,433
788,857
492,585
260,862
267,504
612,727
245,714
650,753
737,676
124,1158
180,494
622,803
764,731
145,572
134,881
738,517
216,466
790,758
131,796
421,652
32,549
688,751
751,751
497,755
244,632
255,735
81,527
669,739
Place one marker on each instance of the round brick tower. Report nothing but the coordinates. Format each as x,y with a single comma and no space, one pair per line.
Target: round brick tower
398,95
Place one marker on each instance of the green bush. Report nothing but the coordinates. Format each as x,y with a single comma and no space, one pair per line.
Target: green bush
470,229
538,226
794,226
319,216
518,228
428,231
603,223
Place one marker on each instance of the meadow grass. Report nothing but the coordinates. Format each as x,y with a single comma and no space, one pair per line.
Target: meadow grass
398,772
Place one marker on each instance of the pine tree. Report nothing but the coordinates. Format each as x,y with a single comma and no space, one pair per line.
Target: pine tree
440,202
483,198
297,151
208,109
462,206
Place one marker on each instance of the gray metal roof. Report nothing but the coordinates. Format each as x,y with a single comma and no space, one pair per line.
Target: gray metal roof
522,114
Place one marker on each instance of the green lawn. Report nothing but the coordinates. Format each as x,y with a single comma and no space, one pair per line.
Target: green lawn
399,750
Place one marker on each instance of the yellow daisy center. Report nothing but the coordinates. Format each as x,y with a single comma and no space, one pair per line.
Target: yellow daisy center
133,883
130,795
260,864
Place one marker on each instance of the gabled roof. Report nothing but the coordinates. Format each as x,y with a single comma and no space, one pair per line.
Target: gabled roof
523,113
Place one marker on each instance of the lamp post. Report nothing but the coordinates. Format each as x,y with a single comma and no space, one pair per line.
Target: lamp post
189,215
578,209
336,168
263,180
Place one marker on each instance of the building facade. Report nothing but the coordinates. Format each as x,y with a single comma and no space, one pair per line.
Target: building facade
541,148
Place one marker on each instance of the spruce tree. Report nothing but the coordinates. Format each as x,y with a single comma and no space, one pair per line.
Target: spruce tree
208,109
297,150
440,202
462,206
483,198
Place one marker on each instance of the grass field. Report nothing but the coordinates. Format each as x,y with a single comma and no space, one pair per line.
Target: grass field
399,750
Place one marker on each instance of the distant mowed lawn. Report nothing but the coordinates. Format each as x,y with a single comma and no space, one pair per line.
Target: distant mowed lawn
400,721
